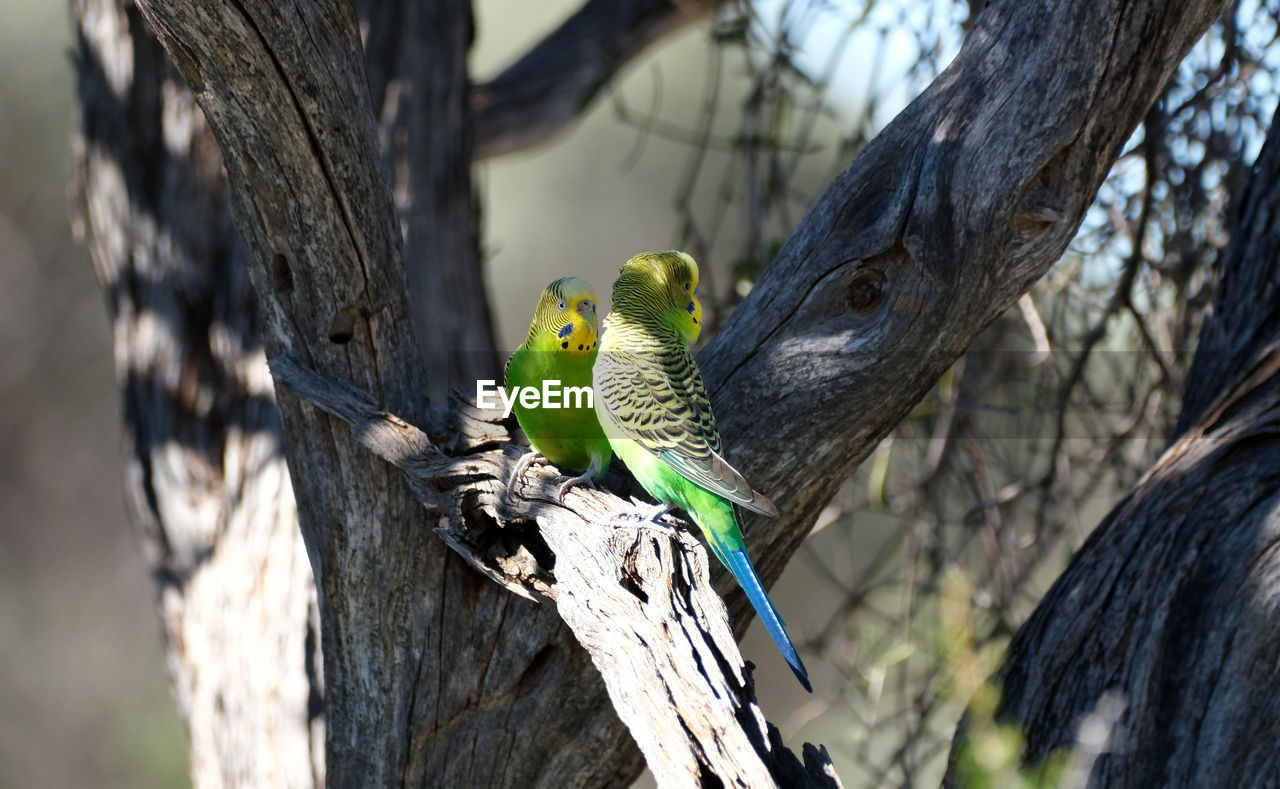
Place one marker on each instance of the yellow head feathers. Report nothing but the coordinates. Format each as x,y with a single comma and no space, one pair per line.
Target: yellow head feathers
661,285
566,312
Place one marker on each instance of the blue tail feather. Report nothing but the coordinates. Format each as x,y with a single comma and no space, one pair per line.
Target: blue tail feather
740,565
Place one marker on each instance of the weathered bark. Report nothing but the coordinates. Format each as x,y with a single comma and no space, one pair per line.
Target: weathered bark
205,480
638,598
434,674
415,57
939,225
1173,603
206,476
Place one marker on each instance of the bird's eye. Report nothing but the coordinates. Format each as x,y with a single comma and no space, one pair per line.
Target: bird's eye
562,306
686,285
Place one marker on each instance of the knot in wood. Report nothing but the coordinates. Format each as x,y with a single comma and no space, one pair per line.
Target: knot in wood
866,290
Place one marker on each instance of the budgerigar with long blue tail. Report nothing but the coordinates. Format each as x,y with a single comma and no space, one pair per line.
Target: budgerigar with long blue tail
653,407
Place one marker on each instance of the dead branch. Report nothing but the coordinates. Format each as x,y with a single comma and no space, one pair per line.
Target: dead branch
638,599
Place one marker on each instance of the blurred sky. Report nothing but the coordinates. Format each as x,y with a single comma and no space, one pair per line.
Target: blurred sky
84,696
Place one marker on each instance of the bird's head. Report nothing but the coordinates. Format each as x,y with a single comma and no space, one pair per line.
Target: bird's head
567,311
662,285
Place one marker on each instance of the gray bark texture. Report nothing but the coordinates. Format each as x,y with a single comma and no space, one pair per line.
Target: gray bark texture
1172,606
205,477
415,56
433,674
639,599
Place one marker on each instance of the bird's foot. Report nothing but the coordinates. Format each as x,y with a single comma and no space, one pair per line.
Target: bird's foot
648,515
523,465
586,478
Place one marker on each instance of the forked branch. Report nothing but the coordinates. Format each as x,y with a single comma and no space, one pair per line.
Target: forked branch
639,599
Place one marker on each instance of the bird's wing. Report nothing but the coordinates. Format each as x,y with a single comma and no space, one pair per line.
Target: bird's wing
658,399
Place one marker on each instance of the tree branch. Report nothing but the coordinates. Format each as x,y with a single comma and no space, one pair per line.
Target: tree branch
415,59
639,599
938,226
1246,308
942,222
553,83
1170,605
283,87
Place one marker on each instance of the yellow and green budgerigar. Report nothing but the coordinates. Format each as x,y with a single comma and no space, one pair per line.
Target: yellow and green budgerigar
562,345
654,408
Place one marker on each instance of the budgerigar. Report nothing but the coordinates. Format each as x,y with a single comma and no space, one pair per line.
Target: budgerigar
562,345
654,408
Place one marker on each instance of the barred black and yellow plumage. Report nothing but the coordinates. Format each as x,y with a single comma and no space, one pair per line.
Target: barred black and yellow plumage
654,409
649,383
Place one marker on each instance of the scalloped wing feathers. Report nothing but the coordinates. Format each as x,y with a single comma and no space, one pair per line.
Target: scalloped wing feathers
654,394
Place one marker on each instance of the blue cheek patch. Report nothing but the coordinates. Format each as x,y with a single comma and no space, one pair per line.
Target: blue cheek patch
566,330
689,307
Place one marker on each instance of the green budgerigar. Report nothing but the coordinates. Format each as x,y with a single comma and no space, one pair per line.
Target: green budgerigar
654,408
562,345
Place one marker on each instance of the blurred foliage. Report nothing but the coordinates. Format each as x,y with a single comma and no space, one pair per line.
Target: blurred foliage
989,753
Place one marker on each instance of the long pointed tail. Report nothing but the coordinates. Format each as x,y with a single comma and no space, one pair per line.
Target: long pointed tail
740,565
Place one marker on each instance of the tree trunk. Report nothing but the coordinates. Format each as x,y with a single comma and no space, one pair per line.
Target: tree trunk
205,480
416,56
206,477
1172,606
433,674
